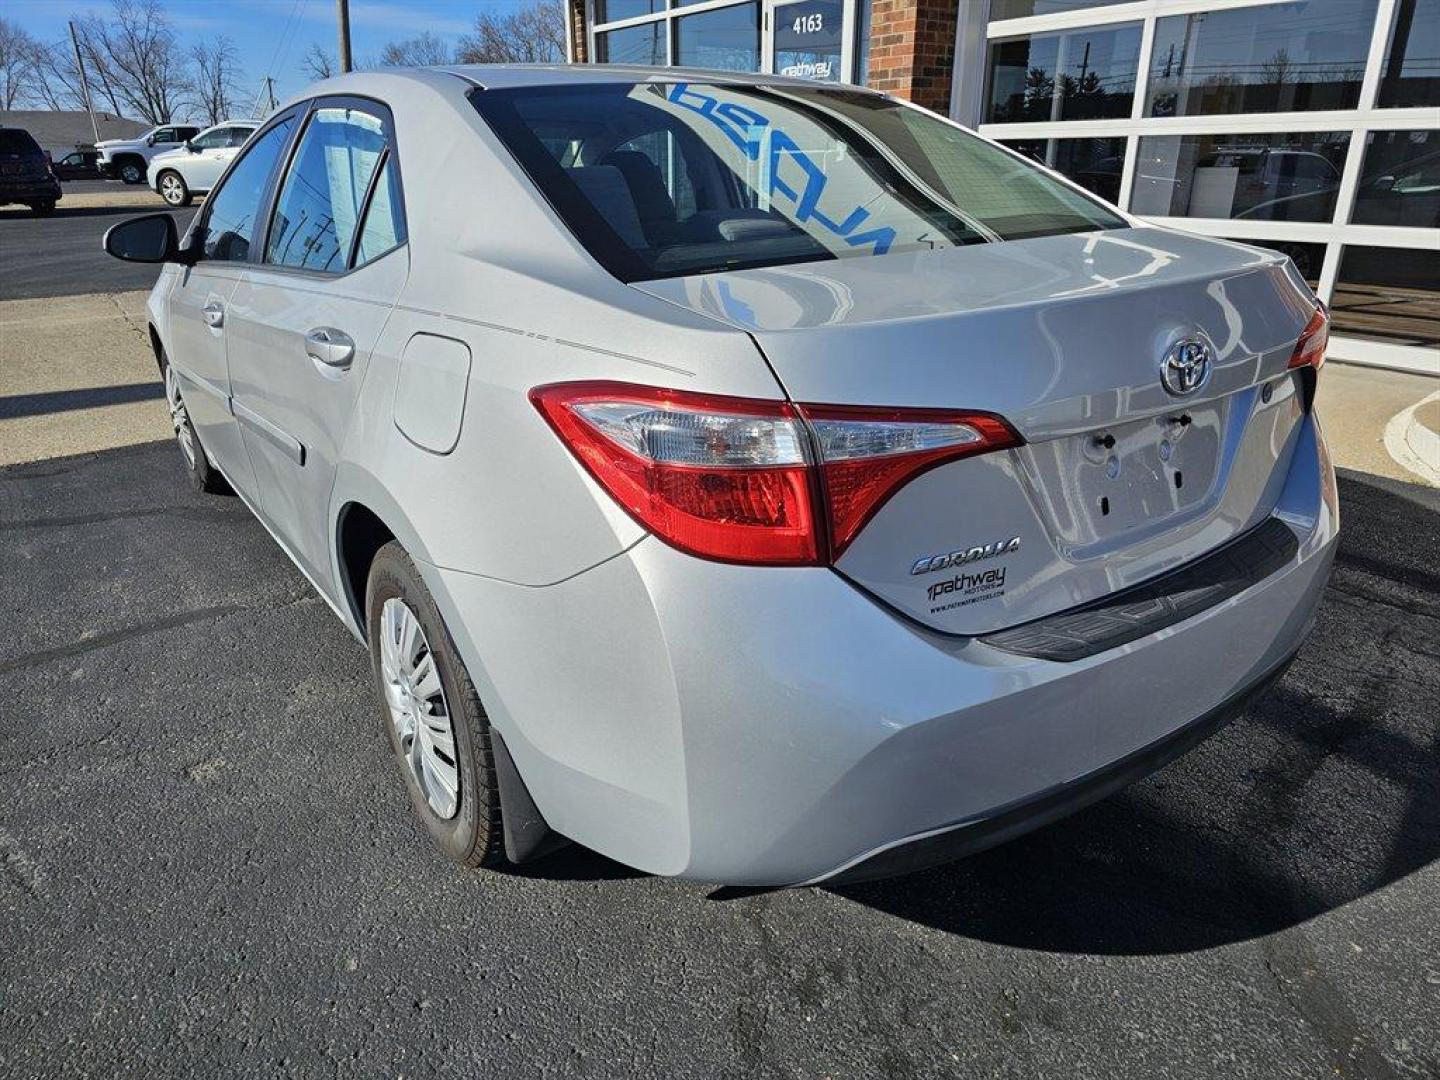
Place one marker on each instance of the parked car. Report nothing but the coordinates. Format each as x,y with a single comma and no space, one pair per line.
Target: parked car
180,175
129,159
1269,184
25,175
78,165
752,480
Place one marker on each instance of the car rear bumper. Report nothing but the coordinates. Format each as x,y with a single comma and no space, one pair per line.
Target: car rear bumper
774,726
28,190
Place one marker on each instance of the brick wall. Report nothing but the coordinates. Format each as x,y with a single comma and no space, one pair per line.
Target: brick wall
576,9
912,49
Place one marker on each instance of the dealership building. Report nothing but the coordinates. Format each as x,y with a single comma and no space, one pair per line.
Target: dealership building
1309,126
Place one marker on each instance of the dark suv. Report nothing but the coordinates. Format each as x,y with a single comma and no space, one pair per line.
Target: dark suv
25,175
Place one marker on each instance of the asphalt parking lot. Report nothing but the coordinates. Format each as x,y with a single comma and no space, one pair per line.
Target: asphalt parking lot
208,866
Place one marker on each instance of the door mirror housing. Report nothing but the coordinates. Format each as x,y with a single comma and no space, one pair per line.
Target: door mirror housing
190,145
148,239
149,140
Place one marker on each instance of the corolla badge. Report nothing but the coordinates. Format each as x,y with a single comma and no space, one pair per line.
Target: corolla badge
1185,366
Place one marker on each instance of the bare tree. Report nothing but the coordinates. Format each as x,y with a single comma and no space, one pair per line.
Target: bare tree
17,63
215,71
55,82
136,58
422,51
318,63
530,34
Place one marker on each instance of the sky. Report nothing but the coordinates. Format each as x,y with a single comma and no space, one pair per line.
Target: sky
273,35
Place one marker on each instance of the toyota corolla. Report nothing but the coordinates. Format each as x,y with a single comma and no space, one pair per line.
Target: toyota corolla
751,480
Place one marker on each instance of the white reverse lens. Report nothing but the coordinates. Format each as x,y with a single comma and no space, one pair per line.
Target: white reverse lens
841,440
678,437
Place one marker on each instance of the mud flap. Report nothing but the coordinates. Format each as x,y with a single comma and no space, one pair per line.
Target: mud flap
527,835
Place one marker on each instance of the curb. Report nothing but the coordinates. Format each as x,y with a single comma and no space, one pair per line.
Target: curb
1413,441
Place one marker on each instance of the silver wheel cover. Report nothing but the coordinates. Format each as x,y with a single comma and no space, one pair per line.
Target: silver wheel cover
171,188
418,708
179,418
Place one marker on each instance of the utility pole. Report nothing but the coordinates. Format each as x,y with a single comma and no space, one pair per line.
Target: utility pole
84,85
267,91
342,19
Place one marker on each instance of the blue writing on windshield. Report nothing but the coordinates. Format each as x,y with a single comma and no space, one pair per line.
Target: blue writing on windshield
746,129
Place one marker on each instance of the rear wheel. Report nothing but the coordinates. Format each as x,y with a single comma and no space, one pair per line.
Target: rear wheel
204,476
172,188
132,172
432,715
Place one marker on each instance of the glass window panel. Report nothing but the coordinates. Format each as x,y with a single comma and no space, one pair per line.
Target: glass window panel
689,178
1076,75
230,213
727,39
1094,164
808,36
384,224
1388,294
1019,9
319,205
1291,57
1411,76
1268,177
1308,258
1400,180
643,44
615,10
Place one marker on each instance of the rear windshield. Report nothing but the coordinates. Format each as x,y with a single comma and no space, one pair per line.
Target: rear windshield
661,180
17,141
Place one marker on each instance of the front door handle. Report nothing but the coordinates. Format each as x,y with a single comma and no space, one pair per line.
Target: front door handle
214,313
331,347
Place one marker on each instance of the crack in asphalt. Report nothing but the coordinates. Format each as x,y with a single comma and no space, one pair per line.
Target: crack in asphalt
114,637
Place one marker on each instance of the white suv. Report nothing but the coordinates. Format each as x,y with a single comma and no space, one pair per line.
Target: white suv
193,169
128,159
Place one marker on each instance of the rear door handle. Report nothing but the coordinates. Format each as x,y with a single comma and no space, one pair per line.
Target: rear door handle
214,313
331,347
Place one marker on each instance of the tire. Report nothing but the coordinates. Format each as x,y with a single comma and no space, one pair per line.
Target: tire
203,476
173,189
131,171
469,832
43,209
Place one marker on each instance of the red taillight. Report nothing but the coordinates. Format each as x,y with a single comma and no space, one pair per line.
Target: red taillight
741,480
1310,348
868,454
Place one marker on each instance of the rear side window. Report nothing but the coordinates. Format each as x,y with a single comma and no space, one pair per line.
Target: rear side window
318,215
232,211
664,180
15,141
384,226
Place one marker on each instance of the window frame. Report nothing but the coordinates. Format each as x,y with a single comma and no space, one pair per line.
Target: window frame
361,103
201,224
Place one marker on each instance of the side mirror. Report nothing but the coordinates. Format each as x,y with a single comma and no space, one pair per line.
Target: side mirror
150,140
148,239
190,145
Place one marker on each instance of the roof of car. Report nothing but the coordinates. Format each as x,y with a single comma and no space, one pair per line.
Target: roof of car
505,76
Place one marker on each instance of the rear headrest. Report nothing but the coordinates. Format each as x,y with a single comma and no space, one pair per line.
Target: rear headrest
605,187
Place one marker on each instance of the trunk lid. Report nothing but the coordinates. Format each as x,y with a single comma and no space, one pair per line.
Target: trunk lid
1063,336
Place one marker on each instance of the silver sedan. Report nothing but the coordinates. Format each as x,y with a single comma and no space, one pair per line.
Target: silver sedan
751,480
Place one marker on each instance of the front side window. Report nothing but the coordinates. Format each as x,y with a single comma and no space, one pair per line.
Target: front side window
212,140
164,135
232,212
686,178
1290,57
318,211
237,136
